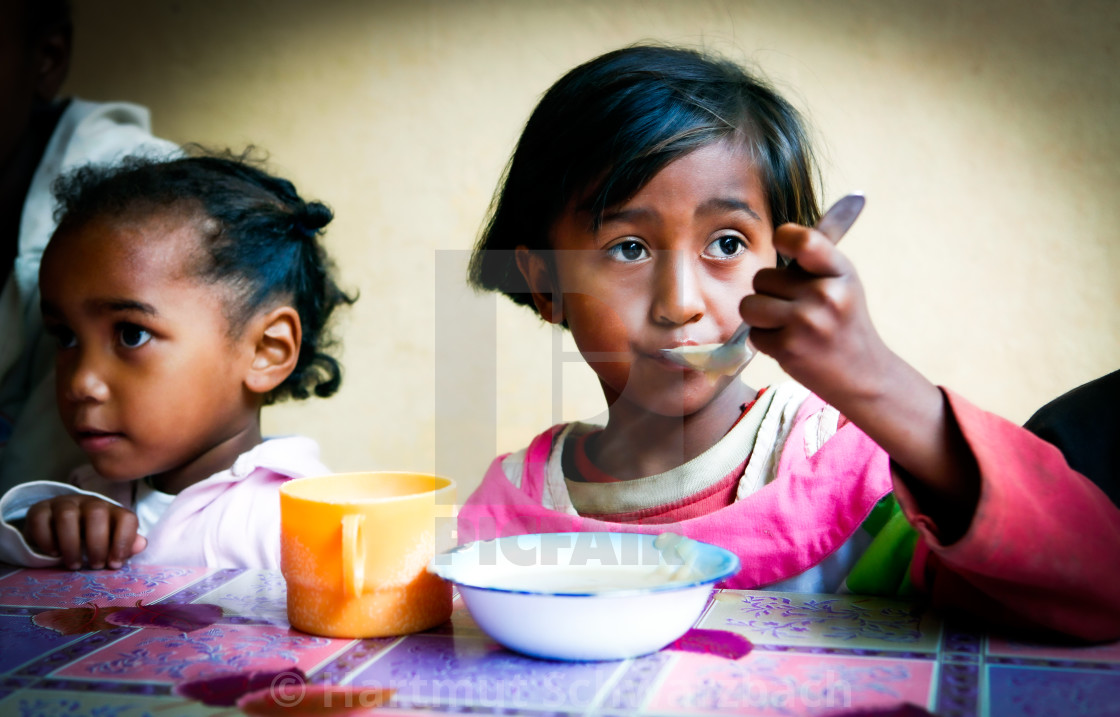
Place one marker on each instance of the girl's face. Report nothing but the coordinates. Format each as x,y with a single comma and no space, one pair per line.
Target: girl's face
667,268
149,380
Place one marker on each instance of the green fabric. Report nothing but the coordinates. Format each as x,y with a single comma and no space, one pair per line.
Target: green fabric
880,514
884,568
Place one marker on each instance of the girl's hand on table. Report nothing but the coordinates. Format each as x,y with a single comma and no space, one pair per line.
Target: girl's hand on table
70,524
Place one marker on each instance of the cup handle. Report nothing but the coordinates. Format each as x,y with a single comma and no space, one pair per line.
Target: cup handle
353,555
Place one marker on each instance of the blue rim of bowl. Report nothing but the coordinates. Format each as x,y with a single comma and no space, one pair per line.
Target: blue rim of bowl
732,568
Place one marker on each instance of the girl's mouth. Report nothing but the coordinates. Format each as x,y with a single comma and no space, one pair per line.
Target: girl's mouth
659,359
94,441
657,355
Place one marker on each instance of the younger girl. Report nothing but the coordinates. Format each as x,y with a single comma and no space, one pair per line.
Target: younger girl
652,189
184,296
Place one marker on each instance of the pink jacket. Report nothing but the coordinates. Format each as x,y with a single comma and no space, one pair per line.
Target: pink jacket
1033,555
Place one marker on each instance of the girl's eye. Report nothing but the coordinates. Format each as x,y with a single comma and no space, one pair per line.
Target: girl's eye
133,337
726,246
628,251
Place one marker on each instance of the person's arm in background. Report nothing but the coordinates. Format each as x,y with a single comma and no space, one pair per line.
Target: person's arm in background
1084,424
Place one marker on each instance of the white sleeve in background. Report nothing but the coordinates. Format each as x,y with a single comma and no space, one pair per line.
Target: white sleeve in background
14,505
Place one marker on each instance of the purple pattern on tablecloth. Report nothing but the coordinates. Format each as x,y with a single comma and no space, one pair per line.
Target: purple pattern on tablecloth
809,650
958,682
360,652
71,700
255,597
815,653
789,684
840,625
637,683
64,588
843,619
117,688
429,669
166,656
958,641
195,591
24,641
1031,691
56,659
958,689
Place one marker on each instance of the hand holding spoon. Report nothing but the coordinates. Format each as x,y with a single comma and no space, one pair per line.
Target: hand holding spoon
732,355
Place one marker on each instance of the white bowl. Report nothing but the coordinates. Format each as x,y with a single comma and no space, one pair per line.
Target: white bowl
583,596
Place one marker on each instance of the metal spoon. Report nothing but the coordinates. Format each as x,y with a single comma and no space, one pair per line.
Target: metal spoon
732,355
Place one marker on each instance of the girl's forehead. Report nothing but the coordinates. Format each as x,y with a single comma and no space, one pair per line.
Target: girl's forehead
715,161
635,174
167,239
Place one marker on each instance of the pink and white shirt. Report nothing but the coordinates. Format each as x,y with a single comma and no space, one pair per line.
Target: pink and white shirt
229,520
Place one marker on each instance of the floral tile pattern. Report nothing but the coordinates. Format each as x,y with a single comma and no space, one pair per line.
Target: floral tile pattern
813,655
257,595
168,656
23,641
842,621
64,588
771,683
431,670
41,703
1031,691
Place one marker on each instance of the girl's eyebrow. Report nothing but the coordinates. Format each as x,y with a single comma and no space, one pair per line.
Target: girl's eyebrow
717,205
106,306
621,215
115,305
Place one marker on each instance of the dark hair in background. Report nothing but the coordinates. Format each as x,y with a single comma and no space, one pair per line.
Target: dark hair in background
43,15
608,126
261,237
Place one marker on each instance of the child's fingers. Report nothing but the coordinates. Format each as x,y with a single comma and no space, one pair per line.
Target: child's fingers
95,532
812,251
38,530
66,520
124,538
765,311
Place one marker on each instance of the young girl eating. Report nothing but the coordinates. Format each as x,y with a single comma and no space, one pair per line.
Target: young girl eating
651,191
184,295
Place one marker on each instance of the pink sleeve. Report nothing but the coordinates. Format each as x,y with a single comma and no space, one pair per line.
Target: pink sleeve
1043,549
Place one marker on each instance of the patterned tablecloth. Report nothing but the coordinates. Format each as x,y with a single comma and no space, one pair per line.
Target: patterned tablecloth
813,654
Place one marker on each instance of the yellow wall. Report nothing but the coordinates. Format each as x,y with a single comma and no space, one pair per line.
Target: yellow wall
986,136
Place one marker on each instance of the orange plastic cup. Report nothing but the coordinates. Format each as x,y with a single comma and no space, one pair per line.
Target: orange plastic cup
355,547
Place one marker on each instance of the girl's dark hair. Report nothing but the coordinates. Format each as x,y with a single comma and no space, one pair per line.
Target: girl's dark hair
608,126
261,241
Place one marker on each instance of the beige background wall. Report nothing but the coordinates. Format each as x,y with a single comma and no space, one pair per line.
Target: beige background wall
985,135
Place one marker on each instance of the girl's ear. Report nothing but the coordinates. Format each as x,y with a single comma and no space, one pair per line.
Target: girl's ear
277,336
542,285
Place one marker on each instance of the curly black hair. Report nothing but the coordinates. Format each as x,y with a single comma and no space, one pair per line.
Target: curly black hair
262,241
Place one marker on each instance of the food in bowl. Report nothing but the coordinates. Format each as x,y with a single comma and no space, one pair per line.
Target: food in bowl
585,596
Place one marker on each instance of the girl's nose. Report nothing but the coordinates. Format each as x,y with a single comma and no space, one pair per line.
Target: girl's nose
677,297
82,381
